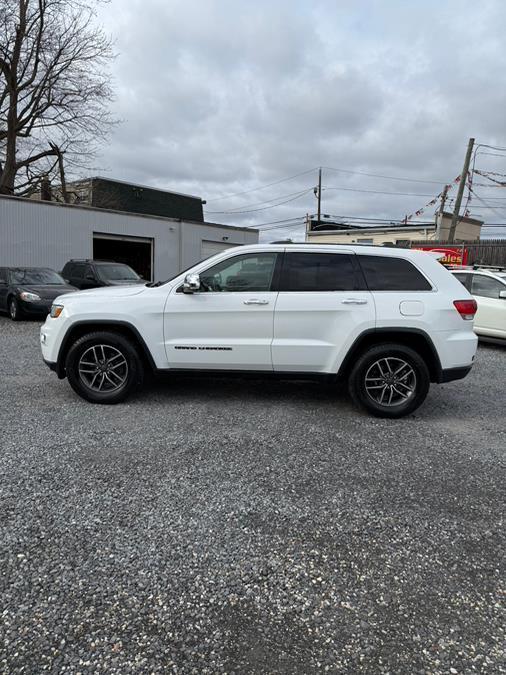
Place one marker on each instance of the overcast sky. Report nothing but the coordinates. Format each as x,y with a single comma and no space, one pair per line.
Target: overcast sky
223,96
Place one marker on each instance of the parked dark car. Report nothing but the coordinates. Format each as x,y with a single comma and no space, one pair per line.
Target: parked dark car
30,291
95,273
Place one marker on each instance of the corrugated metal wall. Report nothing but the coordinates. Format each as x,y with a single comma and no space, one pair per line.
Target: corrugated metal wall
48,234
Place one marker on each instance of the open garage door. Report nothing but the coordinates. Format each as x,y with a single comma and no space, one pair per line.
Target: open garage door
209,248
134,251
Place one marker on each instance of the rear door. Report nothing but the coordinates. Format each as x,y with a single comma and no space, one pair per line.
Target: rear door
490,319
322,306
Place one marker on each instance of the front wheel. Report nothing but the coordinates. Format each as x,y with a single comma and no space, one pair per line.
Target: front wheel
389,380
103,367
14,309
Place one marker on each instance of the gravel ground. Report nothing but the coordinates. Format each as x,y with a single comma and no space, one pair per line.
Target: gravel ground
212,526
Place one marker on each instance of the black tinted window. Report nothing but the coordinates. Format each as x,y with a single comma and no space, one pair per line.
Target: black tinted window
383,273
463,278
77,270
3,274
318,272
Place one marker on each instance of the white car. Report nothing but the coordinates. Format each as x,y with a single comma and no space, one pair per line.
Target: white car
388,321
488,286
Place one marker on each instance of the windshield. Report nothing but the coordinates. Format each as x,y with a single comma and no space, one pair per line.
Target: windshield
117,273
38,276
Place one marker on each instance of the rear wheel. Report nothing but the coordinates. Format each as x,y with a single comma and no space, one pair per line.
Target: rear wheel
389,380
14,309
103,367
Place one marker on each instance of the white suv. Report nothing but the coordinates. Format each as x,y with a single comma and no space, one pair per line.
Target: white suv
389,321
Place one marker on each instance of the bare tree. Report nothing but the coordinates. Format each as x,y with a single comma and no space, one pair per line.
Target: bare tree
54,90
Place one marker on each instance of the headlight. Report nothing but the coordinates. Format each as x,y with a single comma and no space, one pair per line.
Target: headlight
29,297
56,310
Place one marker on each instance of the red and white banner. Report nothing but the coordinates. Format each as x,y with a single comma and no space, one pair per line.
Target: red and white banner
453,255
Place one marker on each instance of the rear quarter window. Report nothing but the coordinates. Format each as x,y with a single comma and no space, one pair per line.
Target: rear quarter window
383,273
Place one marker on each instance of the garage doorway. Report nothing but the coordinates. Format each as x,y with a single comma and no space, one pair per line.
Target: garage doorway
209,248
134,251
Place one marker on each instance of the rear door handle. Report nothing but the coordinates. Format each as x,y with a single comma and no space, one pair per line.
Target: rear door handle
354,301
255,301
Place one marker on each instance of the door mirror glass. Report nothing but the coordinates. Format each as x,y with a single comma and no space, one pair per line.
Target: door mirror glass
191,283
502,295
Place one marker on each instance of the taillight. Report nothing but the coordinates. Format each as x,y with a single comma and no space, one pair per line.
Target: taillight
466,308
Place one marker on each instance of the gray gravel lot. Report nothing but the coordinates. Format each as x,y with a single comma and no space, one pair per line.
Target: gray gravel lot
211,526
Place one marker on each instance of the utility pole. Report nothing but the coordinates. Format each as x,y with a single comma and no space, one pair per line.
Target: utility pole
319,193
439,215
462,185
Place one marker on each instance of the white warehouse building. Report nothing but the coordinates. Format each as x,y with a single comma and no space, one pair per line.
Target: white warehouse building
37,233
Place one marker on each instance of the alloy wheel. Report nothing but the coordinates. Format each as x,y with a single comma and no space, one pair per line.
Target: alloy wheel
390,381
103,368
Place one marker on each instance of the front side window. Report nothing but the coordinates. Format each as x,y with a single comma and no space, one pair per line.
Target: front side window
384,273
486,287
318,272
246,273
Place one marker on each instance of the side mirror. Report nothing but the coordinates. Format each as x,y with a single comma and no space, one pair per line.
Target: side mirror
191,283
3,282
90,277
502,295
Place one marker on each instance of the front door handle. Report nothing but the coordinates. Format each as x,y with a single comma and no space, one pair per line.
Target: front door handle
354,301
255,301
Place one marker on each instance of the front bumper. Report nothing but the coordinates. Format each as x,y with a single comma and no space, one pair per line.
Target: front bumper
39,308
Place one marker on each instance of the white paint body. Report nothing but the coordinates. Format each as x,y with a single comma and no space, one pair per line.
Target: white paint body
490,319
272,331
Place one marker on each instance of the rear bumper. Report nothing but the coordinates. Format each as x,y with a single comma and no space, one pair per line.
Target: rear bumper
450,374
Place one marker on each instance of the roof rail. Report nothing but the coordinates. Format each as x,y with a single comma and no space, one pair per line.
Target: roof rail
498,268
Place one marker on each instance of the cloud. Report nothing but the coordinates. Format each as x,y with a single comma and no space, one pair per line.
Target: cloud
220,96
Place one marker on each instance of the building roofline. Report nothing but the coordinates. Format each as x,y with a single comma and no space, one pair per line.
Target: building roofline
96,209
364,230
138,185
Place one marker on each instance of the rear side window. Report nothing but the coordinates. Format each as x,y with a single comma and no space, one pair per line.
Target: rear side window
383,273
318,272
463,278
77,271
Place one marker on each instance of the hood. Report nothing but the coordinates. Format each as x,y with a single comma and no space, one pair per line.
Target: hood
49,292
121,291
124,282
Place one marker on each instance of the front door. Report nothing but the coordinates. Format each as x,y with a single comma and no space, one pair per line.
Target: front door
321,307
228,323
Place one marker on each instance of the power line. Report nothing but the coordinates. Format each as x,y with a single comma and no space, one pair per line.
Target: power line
265,201
261,187
264,208
376,175
381,192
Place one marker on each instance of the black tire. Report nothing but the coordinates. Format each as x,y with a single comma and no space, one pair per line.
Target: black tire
15,311
406,390
115,347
